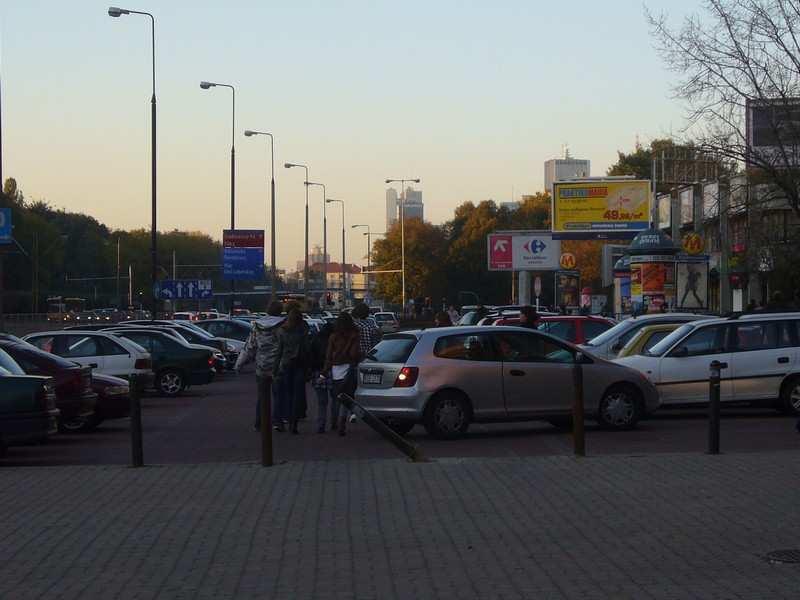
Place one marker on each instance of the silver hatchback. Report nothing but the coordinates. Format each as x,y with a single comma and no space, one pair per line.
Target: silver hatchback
447,378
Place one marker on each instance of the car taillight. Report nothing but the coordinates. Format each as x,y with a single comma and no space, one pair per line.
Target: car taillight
407,377
210,361
142,364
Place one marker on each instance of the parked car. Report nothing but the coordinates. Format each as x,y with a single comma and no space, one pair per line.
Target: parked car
761,354
176,364
608,344
646,338
187,336
230,348
72,382
28,412
576,329
227,328
184,316
113,401
447,378
103,352
387,322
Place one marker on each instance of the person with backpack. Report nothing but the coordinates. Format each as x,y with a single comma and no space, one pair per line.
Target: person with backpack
320,380
291,363
341,362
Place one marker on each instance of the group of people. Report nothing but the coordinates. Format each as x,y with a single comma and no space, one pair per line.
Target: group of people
287,356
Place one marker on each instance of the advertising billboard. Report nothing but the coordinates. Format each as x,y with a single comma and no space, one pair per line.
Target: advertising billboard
601,206
568,288
652,283
243,254
710,201
687,205
523,251
773,132
664,211
692,285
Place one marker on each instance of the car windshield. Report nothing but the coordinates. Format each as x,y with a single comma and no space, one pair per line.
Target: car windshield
610,334
667,343
9,364
380,317
393,349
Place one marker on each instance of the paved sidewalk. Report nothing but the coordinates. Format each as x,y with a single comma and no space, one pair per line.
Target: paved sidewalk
661,526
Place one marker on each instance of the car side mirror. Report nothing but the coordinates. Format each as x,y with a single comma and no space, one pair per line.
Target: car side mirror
681,352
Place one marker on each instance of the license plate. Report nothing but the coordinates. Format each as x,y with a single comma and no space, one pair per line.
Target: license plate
375,378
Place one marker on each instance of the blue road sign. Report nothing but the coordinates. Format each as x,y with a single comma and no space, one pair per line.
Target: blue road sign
5,225
184,289
243,254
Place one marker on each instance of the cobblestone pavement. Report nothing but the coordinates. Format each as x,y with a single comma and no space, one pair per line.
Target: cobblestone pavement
663,526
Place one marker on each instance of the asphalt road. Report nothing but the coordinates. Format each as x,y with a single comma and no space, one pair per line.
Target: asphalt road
214,424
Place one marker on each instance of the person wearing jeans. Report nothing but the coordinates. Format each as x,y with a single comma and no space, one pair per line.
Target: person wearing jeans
341,361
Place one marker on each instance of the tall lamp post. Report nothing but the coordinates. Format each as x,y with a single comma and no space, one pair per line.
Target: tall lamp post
402,183
344,260
204,85
249,133
305,254
324,236
114,11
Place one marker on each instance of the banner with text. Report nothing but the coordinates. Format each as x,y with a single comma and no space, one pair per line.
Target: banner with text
243,254
522,251
589,208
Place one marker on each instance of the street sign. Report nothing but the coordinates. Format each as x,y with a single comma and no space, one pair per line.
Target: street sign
184,289
523,251
501,254
5,225
243,254
568,261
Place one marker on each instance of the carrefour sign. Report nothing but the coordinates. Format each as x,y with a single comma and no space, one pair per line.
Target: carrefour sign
523,251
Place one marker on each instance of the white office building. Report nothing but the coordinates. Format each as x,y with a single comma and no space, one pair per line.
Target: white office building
414,208
557,169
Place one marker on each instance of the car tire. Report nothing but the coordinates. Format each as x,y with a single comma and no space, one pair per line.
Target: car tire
78,424
790,396
170,383
447,416
620,408
398,426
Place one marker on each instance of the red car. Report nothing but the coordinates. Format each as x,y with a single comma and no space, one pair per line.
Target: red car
577,329
113,402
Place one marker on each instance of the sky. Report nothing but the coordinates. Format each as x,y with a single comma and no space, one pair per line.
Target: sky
471,97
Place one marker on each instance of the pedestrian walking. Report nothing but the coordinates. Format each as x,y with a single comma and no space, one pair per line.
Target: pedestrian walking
442,319
369,334
528,317
261,346
341,361
321,381
291,364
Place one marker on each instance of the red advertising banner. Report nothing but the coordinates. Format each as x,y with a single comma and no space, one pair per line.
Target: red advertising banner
243,238
501,252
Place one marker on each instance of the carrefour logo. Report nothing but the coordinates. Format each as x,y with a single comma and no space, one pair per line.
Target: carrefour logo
534,246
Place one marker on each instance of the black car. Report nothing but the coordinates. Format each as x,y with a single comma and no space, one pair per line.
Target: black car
73,383
177,364
200,338
227,328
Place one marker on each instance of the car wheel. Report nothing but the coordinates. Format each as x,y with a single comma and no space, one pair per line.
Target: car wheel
790,396
620,408
398,426
447,416
78,425
170,383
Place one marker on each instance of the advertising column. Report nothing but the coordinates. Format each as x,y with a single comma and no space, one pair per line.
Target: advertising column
652,272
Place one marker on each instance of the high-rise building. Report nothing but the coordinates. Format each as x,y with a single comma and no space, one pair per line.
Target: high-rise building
413,206
557,169
391,208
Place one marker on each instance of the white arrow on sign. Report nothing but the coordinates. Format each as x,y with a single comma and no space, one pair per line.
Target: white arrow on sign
190,289
178,289
500,245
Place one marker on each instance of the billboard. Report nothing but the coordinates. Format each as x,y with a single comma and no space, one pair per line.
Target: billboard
184,289
652,283
692,280
568,288
601,206
664,211
710,201
243,254
523,251
687,205
773,132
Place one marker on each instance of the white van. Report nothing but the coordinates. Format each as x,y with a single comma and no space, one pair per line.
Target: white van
761,352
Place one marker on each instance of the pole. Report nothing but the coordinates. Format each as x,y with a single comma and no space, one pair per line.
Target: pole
344,263
2,291
2,182
578,433
713,405
403,242
119,298
35,275
305,255
137,453
369,262
174,266
153,235
233,182
274,294
130,285
325,241
266,426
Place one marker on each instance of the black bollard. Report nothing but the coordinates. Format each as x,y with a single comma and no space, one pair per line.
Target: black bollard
266,425
578,433
137,454
713,405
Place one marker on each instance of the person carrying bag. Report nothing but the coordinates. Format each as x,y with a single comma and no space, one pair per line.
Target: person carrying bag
341,362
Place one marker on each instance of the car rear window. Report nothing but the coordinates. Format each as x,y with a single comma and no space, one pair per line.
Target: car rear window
380,317
393,349
470,346
31,358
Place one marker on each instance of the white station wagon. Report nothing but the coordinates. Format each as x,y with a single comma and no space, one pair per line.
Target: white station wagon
762,353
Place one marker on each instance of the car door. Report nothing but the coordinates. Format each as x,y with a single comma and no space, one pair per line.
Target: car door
537,373
118,361
84,349
762,354
684,371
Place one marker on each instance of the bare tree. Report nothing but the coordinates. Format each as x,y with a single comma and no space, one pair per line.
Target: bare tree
741,54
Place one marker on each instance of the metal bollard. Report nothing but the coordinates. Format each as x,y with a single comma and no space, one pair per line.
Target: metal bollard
407,448
137,454
578,433
713,405
266,427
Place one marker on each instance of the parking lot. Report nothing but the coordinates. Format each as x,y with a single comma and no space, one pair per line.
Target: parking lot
213,423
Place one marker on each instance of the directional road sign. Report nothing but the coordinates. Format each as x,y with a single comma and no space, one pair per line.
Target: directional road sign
243,254
5,225
184,289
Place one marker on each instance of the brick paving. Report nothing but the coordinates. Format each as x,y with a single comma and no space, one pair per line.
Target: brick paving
668,526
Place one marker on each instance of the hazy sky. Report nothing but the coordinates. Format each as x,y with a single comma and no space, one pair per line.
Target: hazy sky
472,97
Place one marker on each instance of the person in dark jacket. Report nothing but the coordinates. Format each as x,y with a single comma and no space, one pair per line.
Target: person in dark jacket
528,317
261,346
341,361
291,363
320,380
442,319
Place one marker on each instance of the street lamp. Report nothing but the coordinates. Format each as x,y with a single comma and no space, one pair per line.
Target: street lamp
344,277
324,234
249,133
369,258
402,183
114,11
207,85
305,256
